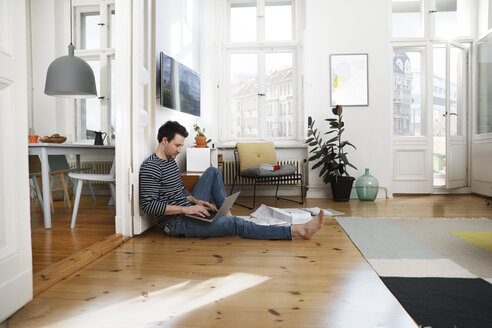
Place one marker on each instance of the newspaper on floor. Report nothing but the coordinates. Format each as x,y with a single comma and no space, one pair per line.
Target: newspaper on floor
267,215
328,211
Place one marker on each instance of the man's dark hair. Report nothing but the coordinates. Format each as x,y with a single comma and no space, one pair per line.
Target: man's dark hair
169,129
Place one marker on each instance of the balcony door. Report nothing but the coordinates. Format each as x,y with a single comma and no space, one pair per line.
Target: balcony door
430,102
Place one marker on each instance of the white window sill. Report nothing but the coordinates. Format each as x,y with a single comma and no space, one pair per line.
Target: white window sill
278,144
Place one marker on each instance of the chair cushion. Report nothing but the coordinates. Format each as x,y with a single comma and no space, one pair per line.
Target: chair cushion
253,154
91,177
256,172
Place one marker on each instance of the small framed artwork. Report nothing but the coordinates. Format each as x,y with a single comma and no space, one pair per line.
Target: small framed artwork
349,80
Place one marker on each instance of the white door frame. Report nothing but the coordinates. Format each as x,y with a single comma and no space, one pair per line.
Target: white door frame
134,108
16,288
123,104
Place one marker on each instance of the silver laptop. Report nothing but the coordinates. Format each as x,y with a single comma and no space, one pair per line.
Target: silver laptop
226,206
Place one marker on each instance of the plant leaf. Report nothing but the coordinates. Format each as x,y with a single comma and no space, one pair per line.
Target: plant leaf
331,131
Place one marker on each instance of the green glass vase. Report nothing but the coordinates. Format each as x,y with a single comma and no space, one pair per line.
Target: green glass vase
367,187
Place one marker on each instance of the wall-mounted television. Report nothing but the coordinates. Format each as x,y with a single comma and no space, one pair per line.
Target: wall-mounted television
179,86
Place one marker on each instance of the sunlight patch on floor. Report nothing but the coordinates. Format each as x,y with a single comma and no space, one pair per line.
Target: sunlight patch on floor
154,308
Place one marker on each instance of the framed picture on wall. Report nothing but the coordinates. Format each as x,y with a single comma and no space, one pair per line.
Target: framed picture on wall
349,80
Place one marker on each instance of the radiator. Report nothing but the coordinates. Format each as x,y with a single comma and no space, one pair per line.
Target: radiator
229,172
96,167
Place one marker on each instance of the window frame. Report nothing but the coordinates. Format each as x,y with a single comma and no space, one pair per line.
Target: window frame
261,47
427,10
104,54
428,41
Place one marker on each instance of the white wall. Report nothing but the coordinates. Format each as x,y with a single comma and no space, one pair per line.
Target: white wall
352,26
185,30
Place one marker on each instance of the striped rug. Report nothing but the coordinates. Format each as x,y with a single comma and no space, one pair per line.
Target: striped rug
439,269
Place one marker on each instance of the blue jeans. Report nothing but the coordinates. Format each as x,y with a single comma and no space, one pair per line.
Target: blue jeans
210,186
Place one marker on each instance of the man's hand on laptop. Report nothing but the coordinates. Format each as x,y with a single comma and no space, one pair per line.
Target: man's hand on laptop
199,210
208,205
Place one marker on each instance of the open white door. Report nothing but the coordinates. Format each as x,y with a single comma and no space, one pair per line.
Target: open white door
481,154
15,228
133,109
456,114
143,103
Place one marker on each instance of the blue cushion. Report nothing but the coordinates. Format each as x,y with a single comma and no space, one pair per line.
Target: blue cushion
256,172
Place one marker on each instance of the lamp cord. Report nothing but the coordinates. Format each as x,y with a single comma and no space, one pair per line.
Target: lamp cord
71,14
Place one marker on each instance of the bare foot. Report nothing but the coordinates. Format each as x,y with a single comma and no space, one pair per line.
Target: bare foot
308,229
228,213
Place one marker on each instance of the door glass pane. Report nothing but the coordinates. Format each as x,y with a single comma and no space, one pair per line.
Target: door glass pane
90,30
278,20
452,18
408,111
439,115
243,21
456,101
279,99
484,71
244,96
111,28
407,19
92,106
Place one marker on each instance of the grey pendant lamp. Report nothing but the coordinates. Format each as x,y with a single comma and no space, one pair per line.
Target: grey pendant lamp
70,76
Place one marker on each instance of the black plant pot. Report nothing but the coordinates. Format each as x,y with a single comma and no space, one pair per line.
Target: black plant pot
341,188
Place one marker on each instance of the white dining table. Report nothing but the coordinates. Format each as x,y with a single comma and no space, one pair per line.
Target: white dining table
45,149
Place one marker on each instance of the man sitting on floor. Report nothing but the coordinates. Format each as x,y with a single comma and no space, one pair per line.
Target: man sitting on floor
162,193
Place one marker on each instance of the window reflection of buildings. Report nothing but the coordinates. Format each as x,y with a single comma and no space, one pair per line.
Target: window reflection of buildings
406,101
278,106
407,108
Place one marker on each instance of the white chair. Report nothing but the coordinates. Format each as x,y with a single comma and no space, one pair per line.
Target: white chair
81,177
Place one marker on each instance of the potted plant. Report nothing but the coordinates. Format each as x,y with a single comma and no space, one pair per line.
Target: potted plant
200,139
331,155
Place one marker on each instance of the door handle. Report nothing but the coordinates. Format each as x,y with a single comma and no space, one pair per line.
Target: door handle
455,114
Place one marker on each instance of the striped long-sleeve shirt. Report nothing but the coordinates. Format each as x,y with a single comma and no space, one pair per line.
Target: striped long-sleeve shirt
161,185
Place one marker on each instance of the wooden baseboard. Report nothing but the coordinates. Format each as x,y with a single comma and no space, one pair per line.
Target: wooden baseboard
46,278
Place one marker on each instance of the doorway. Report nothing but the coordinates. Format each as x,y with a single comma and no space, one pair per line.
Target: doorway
430,110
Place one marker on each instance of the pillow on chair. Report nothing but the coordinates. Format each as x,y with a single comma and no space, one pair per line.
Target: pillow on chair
256,172
253,154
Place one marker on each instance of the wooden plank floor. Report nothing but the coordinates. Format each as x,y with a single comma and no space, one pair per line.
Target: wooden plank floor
157,281
95,221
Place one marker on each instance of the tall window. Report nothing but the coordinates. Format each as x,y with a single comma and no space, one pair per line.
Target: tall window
94,42
261,89
421,28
